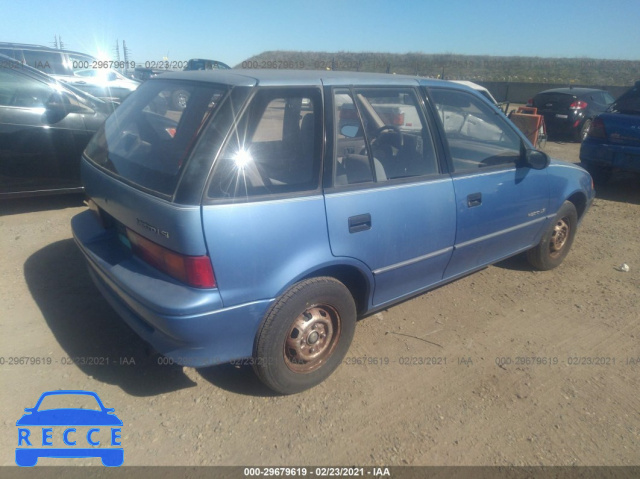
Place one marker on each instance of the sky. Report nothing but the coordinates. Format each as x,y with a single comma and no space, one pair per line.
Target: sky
233,31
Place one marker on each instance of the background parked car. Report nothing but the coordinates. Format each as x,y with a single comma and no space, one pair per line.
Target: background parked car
613,140
204,64
569,111
73,67
48,60
103,83
142,74
44,126
503,105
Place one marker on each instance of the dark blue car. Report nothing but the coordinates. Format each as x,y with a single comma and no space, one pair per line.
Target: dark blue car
259,223
613,140
32,431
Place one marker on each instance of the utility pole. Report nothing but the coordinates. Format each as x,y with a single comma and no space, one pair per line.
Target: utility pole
127,54
117,50
57,42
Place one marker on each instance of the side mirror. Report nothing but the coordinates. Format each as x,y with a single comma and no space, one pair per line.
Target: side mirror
55,102
56,107
350,131
536,159
111,76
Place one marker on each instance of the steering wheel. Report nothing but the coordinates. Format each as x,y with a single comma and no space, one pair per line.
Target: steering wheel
377,134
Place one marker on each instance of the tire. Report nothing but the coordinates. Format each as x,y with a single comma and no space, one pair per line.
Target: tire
305,335
600,174
581,133
542,139
556,240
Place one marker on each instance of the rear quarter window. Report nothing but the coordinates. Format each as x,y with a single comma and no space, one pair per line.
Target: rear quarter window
274,149
147,139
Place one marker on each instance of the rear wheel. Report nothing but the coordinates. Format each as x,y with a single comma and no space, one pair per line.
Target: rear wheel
305,335
557,240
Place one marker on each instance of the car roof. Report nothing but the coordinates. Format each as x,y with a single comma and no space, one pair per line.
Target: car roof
302,78
571,91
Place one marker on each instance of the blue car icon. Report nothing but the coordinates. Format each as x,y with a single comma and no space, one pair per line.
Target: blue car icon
38,418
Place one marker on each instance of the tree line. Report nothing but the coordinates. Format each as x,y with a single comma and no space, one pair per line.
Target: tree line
584,71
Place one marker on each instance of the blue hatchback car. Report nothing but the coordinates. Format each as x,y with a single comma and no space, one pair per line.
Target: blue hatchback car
278,207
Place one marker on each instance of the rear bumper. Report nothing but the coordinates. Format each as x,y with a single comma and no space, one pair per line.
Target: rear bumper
562,123
625,158
188,325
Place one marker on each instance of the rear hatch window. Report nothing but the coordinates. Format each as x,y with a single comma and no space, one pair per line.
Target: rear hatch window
146,141
553,101
629,103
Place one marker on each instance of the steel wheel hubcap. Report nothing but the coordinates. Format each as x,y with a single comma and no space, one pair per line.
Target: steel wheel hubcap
312,338
559,236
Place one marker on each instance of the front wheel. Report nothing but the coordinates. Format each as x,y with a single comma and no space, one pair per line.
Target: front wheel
305,336
556,240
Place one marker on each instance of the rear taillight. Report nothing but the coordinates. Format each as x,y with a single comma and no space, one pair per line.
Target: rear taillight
530,102
195,271
578,105
597,129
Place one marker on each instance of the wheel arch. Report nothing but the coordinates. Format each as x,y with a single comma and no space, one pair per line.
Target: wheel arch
357,282
579,200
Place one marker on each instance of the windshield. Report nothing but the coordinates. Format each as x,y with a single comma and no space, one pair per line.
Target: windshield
147,139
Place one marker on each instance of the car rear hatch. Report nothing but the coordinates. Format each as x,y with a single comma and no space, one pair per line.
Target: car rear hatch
621,129
147,198
553,102
622,122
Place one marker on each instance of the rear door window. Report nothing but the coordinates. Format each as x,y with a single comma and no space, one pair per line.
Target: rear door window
146,140
21,91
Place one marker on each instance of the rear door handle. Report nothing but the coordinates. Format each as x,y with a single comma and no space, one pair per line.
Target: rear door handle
359,223
474,199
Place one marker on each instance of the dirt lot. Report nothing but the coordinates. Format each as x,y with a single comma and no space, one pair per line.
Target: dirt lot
529,368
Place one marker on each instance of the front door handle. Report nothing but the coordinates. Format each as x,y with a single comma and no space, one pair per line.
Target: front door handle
474,199
359,223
